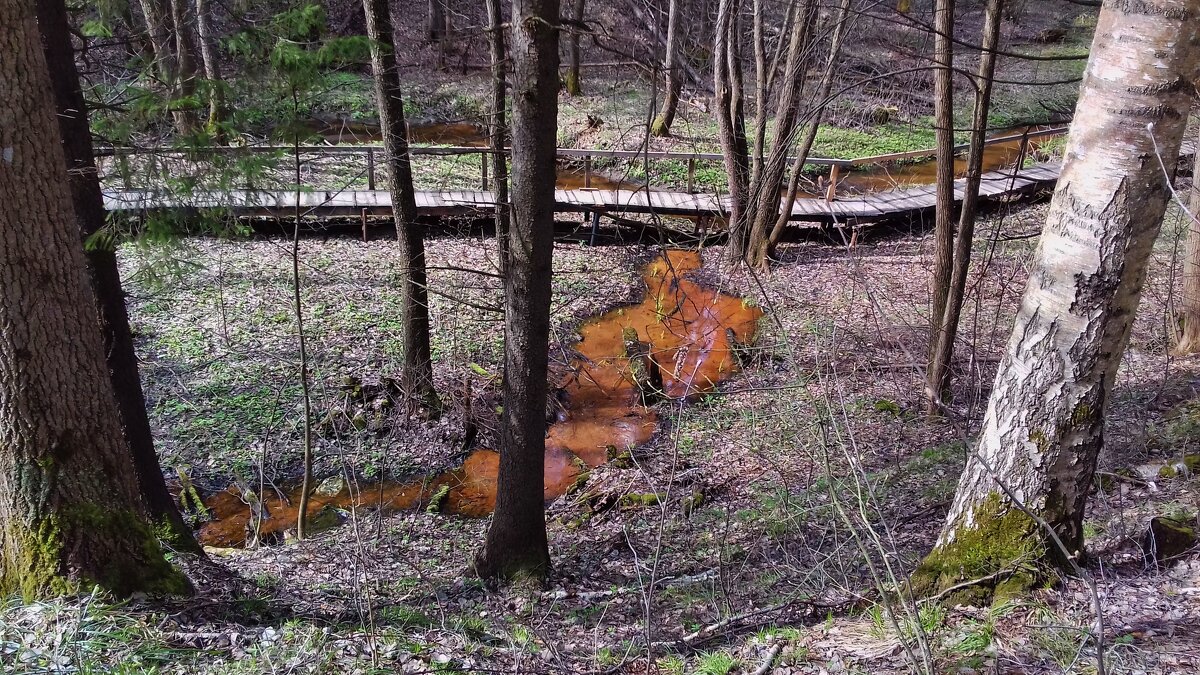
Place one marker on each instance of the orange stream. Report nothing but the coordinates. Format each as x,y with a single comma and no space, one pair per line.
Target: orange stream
690,331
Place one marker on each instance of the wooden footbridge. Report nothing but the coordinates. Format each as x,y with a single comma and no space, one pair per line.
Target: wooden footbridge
830,208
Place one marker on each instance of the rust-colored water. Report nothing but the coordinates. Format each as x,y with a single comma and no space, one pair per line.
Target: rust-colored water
879,177
689,332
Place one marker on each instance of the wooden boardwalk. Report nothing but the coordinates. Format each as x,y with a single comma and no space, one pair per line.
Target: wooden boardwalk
356,203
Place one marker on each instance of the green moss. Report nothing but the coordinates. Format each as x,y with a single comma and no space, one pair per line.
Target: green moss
1000,548
635,499
438,499
37,569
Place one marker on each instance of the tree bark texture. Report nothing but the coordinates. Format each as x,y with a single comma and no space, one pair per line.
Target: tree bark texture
1187,313
671,66
574,81
938,371
731,123
417,376
499,131
1044,425
105,276
70,511
943,229
516,541
435,21
212,69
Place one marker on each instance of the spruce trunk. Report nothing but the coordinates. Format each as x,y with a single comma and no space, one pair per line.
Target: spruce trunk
516,541
417,376
71,515
105,276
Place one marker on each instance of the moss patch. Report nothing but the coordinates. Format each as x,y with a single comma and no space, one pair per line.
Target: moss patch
1000,551
38,567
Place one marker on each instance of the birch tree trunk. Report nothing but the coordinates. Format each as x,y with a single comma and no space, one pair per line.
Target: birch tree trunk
417,375
670,105
1044,425
1187,314
945,326
71,515
516,541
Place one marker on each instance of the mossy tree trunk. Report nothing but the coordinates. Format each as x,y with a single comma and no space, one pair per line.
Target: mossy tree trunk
1045,420
212,69
573,81
70,511
417,376
516,541
105,276
944,327
1187,313
673,69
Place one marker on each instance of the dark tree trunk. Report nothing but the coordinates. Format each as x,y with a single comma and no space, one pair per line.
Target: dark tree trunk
435,22
102,267
417,377
670,105
943,255
71,515
938,372
573,81
516,540
1044,427
499,132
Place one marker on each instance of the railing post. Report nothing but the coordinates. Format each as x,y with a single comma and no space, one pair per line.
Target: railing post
587,171
483,164
834,175
371,169
691,175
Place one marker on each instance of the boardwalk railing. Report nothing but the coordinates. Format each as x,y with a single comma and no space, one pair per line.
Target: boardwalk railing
837,166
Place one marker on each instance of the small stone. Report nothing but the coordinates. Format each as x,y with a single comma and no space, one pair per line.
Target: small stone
1167,539
331,486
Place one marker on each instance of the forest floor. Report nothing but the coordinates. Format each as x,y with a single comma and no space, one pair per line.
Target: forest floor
756,526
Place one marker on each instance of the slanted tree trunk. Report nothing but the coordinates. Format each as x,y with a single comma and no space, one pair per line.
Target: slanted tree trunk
1187,313
573,82
671,66
765,184
943,229
1045,420
71,515
417,375
516,540
766,248
105,277
212,70
499,132
731,124
945,327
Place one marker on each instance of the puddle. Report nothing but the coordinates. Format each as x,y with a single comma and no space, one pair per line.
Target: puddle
685,332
